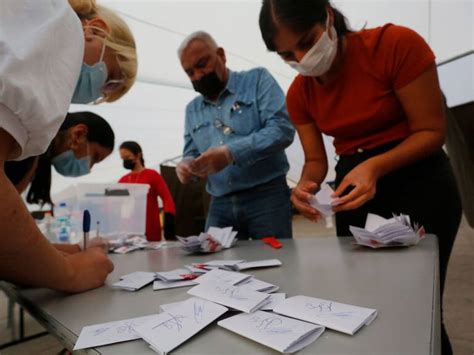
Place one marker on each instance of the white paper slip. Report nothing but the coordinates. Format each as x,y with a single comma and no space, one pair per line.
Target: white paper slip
342,317
109,333
225,236
259,285
219,263
175,275
257,264
135,280
163,285
275,300
229,277
281,333
239,298
176,325
322,201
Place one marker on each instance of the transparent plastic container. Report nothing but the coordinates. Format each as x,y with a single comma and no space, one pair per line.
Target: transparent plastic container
120,209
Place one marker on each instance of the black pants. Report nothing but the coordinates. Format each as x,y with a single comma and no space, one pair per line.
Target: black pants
426,191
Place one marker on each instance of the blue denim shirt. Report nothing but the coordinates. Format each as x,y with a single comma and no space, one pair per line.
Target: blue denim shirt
249,117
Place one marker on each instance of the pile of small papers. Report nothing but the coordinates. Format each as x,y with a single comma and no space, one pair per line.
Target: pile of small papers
394,232
214,240
191,275
132,243
284,324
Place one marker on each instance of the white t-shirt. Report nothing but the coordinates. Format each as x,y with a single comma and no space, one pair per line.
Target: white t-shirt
41,53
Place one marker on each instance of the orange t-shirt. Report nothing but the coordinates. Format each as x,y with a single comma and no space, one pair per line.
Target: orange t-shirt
359,108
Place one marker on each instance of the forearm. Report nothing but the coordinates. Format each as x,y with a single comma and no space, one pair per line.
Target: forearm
314,171
417,146
26,257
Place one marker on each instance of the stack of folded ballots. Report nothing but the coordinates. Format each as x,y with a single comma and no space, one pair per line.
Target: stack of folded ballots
174,279
394,232
214,240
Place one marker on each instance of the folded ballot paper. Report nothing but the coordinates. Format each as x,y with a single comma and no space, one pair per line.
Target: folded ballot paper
333,315
224,276
109,333
218,264
178,323
135,280
237,265
213,241
281,333
256,264
322,200
239,298
394,232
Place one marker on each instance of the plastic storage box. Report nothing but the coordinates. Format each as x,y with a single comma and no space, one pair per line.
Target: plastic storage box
119,208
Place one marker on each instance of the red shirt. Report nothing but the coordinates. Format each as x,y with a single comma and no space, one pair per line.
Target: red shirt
159,188
359,108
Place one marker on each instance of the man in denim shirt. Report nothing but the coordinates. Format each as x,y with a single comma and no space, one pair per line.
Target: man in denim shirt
236,132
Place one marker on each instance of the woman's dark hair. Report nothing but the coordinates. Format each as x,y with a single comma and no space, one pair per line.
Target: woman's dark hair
135,148
300,16
99,131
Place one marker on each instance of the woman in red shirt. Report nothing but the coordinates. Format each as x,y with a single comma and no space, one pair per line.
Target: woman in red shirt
376,91
132,156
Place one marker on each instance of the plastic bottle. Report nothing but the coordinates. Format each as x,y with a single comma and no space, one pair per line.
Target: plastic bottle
63,223
49,226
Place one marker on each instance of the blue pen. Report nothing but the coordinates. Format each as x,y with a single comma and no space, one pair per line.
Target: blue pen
86,227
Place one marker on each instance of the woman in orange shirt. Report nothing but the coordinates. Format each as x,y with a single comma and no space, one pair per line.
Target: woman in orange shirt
132,156
376,91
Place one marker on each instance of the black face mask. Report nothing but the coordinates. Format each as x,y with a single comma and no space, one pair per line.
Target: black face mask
129,164
209,85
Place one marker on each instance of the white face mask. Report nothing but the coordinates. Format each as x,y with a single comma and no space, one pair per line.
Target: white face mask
318,60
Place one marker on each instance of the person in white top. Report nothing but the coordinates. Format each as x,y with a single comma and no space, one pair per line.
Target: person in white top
52,53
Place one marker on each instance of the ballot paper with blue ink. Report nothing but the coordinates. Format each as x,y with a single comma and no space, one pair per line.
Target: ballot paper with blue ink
239,298
110,333
341,317
283,334
178,323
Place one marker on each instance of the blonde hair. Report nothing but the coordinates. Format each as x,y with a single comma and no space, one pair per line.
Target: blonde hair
119,38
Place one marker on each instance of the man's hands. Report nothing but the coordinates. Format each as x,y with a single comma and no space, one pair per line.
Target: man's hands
212,161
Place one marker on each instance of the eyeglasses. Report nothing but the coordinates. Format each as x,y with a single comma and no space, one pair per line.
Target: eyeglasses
222,127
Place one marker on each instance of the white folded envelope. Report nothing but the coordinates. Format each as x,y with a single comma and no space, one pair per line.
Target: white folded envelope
235,297
229,277
163,285
342,317
177,324
135,280
281,333
109,333
257,264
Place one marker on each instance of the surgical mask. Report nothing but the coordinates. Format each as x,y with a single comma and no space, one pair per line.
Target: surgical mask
209,85
67,164
318,60
129,164
91,81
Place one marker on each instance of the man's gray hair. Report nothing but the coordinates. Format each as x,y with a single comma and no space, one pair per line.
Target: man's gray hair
201,35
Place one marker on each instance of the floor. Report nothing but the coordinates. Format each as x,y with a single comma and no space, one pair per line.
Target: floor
459,298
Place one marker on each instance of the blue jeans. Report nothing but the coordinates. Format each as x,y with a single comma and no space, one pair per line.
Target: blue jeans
255,213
